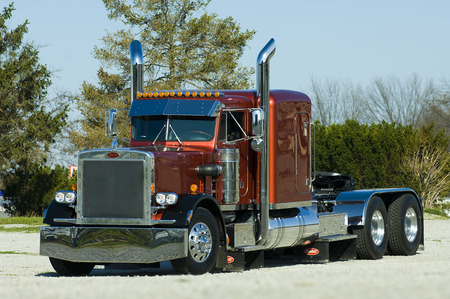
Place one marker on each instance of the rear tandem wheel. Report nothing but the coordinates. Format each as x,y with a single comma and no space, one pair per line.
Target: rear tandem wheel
372,238
405,225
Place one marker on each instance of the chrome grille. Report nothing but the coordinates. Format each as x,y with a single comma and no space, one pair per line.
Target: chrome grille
114,190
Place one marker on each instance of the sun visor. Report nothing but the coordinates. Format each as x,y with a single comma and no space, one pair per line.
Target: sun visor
175,107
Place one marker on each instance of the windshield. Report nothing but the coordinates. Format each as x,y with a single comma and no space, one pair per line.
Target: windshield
173,128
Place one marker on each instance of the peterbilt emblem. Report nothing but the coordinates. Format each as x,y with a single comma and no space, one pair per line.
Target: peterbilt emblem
307,242
312,251
230,259
113,155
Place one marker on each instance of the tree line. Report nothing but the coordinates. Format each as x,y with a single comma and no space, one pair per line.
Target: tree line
386,135
413,101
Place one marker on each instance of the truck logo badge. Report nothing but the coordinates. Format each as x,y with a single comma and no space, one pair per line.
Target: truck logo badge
307,242
311,251
113,155
230,259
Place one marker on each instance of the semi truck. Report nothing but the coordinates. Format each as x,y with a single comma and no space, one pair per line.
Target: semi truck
219,180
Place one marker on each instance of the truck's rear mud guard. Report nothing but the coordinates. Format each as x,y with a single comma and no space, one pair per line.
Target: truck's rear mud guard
355,203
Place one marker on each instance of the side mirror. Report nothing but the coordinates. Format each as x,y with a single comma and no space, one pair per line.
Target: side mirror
112,123
257,122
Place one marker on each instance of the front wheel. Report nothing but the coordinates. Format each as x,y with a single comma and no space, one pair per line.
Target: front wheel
203,244
372,238
405,225
66,268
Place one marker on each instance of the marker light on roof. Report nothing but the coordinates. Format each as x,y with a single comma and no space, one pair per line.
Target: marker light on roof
180,94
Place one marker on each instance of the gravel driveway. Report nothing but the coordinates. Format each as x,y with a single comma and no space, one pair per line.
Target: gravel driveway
26,274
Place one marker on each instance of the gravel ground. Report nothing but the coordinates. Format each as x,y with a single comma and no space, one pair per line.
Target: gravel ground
26,274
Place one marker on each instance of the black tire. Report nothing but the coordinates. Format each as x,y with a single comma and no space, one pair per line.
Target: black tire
203,245
405,225
66,268
372,238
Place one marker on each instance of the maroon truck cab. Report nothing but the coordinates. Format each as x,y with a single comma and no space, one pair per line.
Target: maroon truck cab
178,155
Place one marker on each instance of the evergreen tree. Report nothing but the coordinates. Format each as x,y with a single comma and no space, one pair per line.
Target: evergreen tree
28,121
93,104
31,189
184,47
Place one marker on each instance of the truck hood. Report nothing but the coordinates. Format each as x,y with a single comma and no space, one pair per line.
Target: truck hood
175,169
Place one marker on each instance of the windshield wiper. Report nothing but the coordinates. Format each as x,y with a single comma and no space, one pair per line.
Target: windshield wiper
168,127
176,136
157,136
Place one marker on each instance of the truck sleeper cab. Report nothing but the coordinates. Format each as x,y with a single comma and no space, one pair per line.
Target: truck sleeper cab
214,180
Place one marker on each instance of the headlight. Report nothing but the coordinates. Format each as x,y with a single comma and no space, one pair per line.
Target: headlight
171,198
59,197
161,198
67,197
70,197
166,198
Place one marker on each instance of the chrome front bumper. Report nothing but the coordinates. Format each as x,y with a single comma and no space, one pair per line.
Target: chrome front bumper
113,244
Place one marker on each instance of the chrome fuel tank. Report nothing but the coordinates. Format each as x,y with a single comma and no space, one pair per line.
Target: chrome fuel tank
292,230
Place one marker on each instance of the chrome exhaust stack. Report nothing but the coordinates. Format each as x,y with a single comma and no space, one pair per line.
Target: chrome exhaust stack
137,69
262,64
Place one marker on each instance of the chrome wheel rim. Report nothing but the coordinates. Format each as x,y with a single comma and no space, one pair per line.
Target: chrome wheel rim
200,242
411,225
377,228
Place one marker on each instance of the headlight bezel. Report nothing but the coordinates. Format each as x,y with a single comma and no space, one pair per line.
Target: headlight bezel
59,197
65,197
166,198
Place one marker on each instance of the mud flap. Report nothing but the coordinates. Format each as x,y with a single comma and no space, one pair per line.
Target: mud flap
238,261
327,249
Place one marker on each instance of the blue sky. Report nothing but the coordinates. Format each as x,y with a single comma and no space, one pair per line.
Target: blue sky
351,40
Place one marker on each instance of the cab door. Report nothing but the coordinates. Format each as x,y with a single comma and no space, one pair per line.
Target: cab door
233,130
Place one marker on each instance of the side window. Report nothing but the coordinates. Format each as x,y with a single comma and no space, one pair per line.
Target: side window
231,123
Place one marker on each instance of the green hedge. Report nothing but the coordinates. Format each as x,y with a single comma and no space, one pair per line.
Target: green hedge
31,189
374,154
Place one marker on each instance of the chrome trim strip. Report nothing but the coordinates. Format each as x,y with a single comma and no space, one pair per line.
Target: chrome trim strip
236,207
113,245
102,220
154,222
65,220
289,205
277,206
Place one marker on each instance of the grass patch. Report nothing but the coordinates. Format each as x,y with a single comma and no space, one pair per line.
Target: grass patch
27,229
12,252
21,220
24,224
436,212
